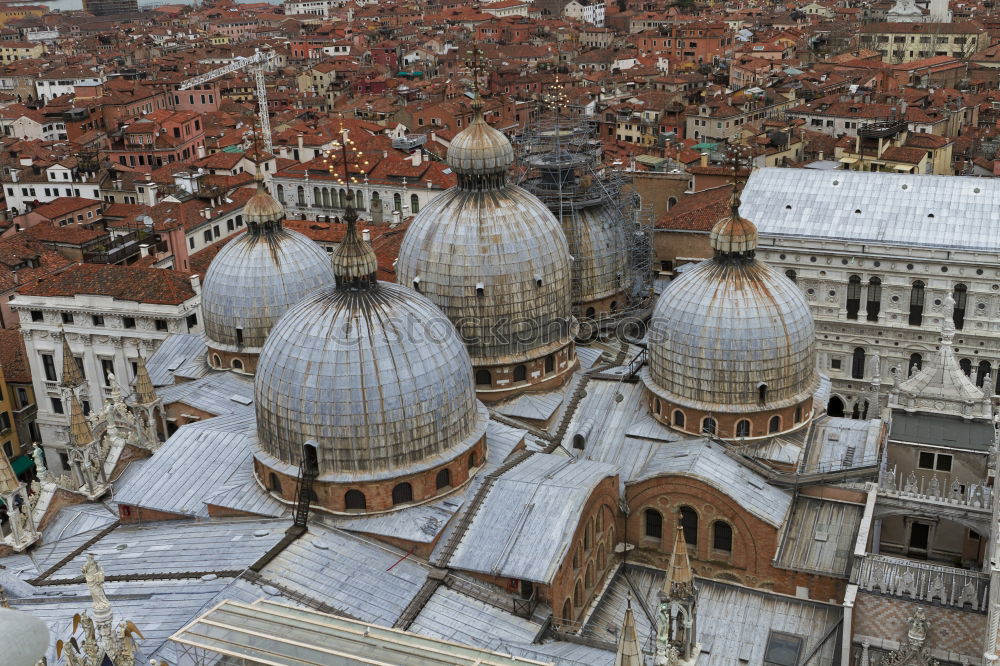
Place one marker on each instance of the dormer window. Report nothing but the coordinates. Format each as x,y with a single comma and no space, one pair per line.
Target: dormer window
416,284
480,289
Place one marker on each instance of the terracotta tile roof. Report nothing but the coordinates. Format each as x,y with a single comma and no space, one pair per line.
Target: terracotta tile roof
71,234
155,286
16,253
63,206
903,154
13,357
699,211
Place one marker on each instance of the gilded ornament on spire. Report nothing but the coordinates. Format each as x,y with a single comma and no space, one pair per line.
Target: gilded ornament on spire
79,430
145,394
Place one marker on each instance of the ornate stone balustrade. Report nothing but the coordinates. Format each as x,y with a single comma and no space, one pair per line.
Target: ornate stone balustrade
930,489
922,581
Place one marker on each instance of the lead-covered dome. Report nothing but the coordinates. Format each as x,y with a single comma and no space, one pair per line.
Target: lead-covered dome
495,260
255,278
733,334
375,375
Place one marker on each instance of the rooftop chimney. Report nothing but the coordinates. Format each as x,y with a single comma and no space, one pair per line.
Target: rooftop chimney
704,159
201,152
366,235
417,157
196,283
151,194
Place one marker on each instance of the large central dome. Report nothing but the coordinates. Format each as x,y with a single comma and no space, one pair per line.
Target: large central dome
379,380
495,260
732,339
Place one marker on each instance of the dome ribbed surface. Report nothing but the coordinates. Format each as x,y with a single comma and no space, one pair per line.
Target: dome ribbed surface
598,243
376,376
254,279
480,149
262,207
507,241
722,329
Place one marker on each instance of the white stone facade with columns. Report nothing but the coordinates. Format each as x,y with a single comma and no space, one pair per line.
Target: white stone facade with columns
109,345
823,269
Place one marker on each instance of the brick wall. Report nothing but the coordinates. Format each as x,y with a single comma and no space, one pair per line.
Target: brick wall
754,544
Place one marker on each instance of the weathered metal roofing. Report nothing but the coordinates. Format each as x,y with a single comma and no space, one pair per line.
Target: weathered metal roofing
177,547
363,578
497,263
722,329
175,352
840,443
597,242
189,467
705,460
377,377
253,280
734,622
544,494
72,527
221,393
453,616
819,536
895,209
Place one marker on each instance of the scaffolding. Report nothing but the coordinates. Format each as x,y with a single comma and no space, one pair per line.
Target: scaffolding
559,160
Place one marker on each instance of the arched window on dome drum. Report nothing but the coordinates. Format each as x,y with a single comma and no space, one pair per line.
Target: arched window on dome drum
579,441
916,363
656,405
790,274
774,425
520,373
216,361
874,304
961,296
858,363
237,365
722,536
354,500
689,522
402,493
743,428
853,296
678,419
590,313
473,461
653,523
982,373
397,202
966,366
916,304
708,425
613,307
274,483
484,378
798,414
443,479
550,363
414,204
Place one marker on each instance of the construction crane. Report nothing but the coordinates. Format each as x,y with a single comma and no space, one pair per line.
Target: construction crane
258,62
